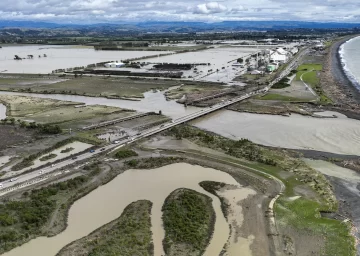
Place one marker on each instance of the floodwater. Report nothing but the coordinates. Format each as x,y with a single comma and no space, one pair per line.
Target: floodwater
153,101
107,202
76,145
335,135
219,58
2,111
237,244
58,57
77,148
4,160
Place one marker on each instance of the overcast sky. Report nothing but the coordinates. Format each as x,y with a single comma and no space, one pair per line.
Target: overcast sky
92,11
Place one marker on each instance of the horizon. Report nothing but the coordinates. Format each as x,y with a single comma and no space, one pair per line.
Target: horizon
110,11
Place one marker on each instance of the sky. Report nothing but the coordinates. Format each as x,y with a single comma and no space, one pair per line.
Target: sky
93,11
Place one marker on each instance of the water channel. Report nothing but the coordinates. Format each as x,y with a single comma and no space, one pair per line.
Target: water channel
108,202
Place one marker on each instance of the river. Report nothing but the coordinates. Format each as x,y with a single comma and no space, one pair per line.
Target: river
107,202
153,101
59,57
336,135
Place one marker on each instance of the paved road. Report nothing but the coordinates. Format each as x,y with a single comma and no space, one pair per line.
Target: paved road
4,187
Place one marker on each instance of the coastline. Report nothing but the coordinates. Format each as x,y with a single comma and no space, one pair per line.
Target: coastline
335,80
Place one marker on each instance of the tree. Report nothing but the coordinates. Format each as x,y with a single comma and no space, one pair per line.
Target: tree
240,60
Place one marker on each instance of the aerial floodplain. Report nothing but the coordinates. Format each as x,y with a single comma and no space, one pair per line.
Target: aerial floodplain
178,139
43,59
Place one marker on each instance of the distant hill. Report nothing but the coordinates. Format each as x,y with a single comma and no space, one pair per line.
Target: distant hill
178,26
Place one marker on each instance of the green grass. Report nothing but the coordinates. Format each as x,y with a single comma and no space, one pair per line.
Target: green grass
273,96
128,235
309,73
303,214
188,222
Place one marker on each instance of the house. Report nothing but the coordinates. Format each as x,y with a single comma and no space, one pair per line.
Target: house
114,65
294,50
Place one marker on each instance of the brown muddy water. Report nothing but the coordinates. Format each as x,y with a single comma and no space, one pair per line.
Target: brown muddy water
336,135
59,57
107,202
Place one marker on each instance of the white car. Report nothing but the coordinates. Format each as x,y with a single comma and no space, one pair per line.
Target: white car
1,185
13,179
41,172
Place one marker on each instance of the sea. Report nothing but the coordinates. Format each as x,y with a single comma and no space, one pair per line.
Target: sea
350,58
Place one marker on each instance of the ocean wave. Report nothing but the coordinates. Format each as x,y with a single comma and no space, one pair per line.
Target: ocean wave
344,64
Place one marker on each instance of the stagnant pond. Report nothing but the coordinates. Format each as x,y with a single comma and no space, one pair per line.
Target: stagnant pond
107,202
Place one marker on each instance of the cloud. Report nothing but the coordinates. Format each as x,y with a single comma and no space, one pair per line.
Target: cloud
91,11
207,8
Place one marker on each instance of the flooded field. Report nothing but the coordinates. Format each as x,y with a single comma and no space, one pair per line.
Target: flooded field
77,148
4,160
335,135
108,201
58,57
2,111
220,58
216,55
152,101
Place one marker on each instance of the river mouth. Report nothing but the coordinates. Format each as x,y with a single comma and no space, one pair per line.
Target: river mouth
107,202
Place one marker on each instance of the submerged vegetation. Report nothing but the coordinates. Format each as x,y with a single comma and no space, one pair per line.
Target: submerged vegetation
188,219
29,160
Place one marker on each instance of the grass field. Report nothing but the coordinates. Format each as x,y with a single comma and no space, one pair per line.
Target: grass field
309,74
128,235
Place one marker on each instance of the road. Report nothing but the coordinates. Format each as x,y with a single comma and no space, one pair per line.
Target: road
11,184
